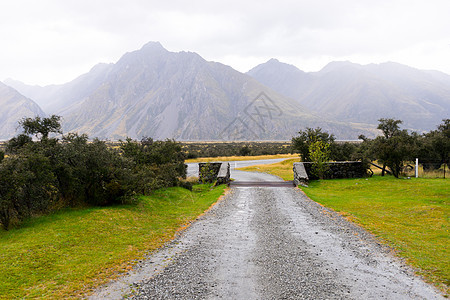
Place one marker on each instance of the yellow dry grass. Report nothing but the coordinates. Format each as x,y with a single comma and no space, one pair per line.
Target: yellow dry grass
240,158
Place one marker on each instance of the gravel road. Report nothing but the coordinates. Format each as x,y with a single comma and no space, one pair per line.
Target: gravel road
270,243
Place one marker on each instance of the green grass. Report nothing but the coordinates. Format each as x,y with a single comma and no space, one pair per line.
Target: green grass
67,254
283,169
411,215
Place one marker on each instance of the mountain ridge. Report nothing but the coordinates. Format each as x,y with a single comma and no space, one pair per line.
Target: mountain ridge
350,92
162,94
14,107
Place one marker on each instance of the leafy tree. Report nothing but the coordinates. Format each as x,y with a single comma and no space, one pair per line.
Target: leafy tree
389,127
441,142
343,151
9,195
91,172
434,147
41,126
15,144
394,147
319,152
302,142
160,163
37,184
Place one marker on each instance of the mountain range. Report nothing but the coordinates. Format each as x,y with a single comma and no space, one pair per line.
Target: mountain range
350,92
161,94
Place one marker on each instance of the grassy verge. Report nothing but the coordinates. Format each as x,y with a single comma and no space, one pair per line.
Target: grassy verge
240,158
67,254
283,169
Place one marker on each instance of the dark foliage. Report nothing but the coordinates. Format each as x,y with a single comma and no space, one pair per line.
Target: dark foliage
434,147
39,176
14,145
396,147
303,141
209,149
157,163
41,127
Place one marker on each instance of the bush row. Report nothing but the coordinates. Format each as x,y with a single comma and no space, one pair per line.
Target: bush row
215,149
42,175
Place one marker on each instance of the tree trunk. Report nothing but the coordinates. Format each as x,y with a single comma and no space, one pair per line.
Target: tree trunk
383,170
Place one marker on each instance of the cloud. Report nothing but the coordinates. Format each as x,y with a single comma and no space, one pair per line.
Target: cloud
54,41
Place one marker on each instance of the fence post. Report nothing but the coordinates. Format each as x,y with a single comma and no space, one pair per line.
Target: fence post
417,167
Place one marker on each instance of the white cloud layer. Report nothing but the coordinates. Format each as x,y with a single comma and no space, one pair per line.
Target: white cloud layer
53,41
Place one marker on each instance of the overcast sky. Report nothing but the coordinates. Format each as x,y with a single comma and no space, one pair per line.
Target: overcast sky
54,41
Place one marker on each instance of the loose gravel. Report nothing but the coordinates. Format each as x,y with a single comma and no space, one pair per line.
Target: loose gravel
271,243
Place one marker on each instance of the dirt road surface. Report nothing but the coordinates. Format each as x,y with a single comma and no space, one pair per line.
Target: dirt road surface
270,243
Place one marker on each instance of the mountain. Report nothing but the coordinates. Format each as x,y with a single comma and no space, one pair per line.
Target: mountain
14,107
161,94
287,79
57,98
350,92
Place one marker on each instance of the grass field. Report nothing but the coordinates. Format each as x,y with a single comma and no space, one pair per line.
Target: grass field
410,215
67,254
240,158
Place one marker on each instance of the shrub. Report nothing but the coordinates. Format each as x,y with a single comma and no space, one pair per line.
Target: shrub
307,137
158,163
319,152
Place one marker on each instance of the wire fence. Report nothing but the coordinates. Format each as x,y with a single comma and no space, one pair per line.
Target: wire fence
433,169
429,169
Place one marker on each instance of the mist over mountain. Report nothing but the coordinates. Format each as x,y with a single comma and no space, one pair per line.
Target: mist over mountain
350,92
14,107
161,94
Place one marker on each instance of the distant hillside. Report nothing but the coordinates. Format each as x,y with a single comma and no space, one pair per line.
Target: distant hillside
349,92
14,107
57,98
161,94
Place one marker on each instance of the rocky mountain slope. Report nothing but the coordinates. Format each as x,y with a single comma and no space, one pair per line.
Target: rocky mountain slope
57,98
14,107
350,92
161,94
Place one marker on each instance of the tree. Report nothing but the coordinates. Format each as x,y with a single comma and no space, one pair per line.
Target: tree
306,137
441,142
8,192
15,144
41,126
159,163
393,147
434,147
389,127
91,172
319,152
343,151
